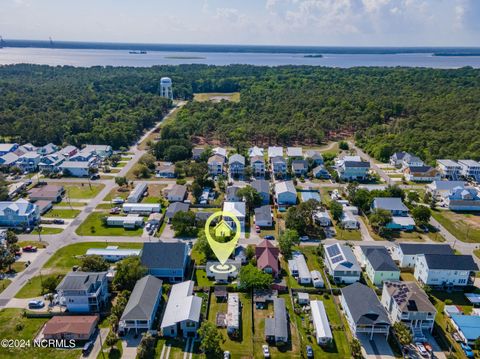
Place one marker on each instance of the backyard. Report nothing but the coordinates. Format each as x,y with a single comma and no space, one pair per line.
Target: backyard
82,190
94,226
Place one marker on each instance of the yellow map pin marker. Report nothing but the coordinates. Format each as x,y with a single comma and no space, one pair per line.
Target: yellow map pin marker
223,250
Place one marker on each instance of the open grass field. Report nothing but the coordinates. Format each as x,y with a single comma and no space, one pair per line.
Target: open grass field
66,257
121,192
33,243
217,97
94,226
48,230
82,190
70,204
4,283
33,287
62,213
348,234
16,326
464,226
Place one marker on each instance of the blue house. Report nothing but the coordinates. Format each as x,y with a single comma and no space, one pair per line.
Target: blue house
401,220
19,214
7,148
166,260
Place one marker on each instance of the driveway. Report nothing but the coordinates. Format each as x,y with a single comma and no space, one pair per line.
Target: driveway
129,345
97,345
377,348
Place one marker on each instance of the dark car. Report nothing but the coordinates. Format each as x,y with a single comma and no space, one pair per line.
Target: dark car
29,249
58,221
269,237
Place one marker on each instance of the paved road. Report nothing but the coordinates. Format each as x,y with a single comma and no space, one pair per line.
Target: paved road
373,165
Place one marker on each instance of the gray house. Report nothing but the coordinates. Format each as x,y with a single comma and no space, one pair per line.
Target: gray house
139,314
299,167
276,328
174,208
236,165
166,260
263,188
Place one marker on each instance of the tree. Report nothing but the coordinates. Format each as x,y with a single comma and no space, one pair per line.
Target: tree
421,215
202,246
121,181
251,277
379,219
111,339
196,190
148,160
394,191
141,171
50,283
343,145
403,334
210,339
183,223
287,240
251,196
177,153
146,348
356,349
11,238
413,196
337,210
300,218
129,271
94,263
3,189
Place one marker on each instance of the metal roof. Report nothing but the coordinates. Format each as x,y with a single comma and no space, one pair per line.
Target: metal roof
142,301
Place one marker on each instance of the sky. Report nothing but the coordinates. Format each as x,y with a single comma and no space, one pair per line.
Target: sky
263,22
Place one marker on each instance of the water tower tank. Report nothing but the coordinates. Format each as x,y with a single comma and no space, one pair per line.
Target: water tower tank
166,89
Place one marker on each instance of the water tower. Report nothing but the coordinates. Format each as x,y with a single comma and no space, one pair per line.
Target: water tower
166,87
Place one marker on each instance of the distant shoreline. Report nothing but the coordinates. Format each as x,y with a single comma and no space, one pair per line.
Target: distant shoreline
185,57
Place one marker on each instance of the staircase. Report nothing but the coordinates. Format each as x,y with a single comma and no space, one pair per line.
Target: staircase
417,334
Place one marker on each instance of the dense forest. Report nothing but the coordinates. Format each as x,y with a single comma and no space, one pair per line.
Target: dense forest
434,113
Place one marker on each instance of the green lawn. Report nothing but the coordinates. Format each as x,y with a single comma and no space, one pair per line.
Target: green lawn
94,226
18,267
152,199
4,283
33,243
62,213
16,326
70,204
347,234
120,165
66,257
464,226
82,190
121,192
33,287
242,347
201,278
48,230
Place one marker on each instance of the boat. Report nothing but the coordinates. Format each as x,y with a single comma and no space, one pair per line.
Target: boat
142,52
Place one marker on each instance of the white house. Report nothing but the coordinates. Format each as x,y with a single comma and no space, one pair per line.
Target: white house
141,208
321,325
263,216
299,269
469,169
102,151
233,314
274,151
255,151
7,148
449,169
137,193
76,168
113,253
445,270
349,221
182,314
407,252
410,160
406,302
342,264
317,279
379,266
441,189
142,306
294,152
285,193
421,174
352,168
239,210
322,218
84,292
128,222
220,277
19,214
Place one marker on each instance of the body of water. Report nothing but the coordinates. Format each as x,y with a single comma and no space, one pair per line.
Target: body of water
83,57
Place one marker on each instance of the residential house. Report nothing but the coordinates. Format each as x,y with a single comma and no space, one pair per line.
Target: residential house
166,260
263,188
113,253
84,156
231,194
131,221
442,189
279,166
239,210
299,167
352,168
165,170
407,252
17,188
299,269
28,147
48,149
449,169
140,312
182,315
263,216
84,292
236,165
342,264
255,152
49,192
7,148
257,163
406,302
215,165
274,151
267,257
349,221
102,151
303,298
76,168
174,208
321,325
317,279
177,193
320,172
276,328
295,152
136,195
143,209
8,159
222,277
261,297
469,169
197,153
322,218
240,255
233,314
51,163
19,214
397,158
421,174
401,220
445,270
285,193
410,160
68,151
71,327
467,326
463,199
365,316
28,162
379,265
315,156
220,151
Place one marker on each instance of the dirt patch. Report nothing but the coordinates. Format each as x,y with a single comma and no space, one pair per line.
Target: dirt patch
156,190
470,219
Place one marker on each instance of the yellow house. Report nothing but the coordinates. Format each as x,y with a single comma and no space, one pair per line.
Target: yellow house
222,229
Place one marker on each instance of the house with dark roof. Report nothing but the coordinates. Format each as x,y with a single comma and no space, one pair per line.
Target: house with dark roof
263,188
177,193
257,163
267,257
276,328
406,302
84,292
379,265
445,270
401,220
315,156
320,172
407,252
364,312
352,168
421,174
174,208
341,264
231,194
166,260
299,167
141,309
165,170
397,158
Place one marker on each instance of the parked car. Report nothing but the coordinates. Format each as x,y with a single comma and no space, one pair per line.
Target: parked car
269,237
29,249
118,200
257,229
115,210
266,351
58,221
36,304
457,337
95,176
309,351
87,348
421,349
226,355
467,350
304,238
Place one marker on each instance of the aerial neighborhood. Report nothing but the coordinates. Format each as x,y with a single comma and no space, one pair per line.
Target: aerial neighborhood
339,254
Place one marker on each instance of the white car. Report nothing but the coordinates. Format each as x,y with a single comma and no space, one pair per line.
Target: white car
304,238
226,355
421,348
266,351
